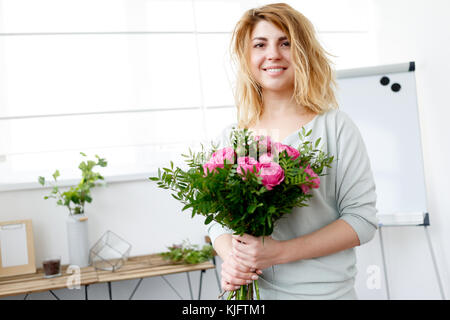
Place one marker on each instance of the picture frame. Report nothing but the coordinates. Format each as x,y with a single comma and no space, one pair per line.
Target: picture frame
16,248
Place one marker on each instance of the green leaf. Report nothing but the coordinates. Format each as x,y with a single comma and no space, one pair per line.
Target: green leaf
102,163
209,219
56,174
90,164
82,166
41,180
176,198
317,143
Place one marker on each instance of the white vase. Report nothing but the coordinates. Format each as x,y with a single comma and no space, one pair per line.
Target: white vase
78,241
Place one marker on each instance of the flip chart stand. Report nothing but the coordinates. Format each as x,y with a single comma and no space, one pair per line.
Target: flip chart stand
425,224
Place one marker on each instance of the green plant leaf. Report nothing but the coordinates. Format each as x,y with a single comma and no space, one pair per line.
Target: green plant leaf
56,174
209,219
317,143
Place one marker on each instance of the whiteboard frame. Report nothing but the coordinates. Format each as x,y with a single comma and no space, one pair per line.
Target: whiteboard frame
376,70
26,268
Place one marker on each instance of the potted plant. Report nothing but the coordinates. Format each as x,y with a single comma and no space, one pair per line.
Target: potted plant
75,199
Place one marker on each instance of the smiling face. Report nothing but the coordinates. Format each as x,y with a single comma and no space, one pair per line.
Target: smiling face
270,58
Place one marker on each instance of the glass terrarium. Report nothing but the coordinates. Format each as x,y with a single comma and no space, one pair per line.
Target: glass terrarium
110,252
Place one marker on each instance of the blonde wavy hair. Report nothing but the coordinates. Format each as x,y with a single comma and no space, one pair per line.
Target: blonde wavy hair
314,78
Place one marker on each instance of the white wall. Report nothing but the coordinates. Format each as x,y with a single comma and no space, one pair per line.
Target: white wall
419,31
405,30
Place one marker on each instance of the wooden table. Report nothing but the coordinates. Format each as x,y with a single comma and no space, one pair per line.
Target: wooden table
35,282
151,266
138,267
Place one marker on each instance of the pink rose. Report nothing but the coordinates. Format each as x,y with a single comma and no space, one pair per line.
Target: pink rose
218,159
272,174
209,166
265,158
292,152
311,177
247,163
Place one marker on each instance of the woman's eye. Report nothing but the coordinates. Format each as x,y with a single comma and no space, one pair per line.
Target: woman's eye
258,45
286,44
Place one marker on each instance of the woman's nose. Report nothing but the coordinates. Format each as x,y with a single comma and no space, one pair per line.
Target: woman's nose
273,53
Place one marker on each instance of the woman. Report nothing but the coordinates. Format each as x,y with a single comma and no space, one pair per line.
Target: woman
285,83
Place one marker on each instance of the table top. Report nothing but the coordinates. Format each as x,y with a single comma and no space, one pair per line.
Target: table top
135,267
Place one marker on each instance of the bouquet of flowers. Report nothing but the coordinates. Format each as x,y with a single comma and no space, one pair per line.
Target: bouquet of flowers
248,186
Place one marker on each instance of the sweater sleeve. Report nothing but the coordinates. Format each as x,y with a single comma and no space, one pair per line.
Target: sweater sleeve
214,229
355,185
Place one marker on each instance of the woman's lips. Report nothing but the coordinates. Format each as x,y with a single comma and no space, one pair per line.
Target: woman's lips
274,71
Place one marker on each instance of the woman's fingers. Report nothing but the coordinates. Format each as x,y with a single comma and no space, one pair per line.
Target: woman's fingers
237,244
244,276
235,277
237,271
226,286
243,261
236,274
237,262
244,253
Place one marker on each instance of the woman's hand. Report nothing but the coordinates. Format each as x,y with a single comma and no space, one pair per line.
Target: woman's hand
256,252
235,274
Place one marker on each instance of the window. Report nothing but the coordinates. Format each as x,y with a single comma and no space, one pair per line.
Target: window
137,82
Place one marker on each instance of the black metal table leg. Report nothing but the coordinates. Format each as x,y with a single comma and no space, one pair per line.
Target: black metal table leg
217,276
86,292
54,294
200,286
109,291
178,294
190,287
135,288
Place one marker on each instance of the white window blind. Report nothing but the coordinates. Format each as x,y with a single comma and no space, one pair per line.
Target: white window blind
137,82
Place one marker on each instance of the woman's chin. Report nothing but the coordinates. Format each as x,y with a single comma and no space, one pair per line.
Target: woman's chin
277,88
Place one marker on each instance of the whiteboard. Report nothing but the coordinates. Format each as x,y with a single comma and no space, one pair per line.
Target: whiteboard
389,124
